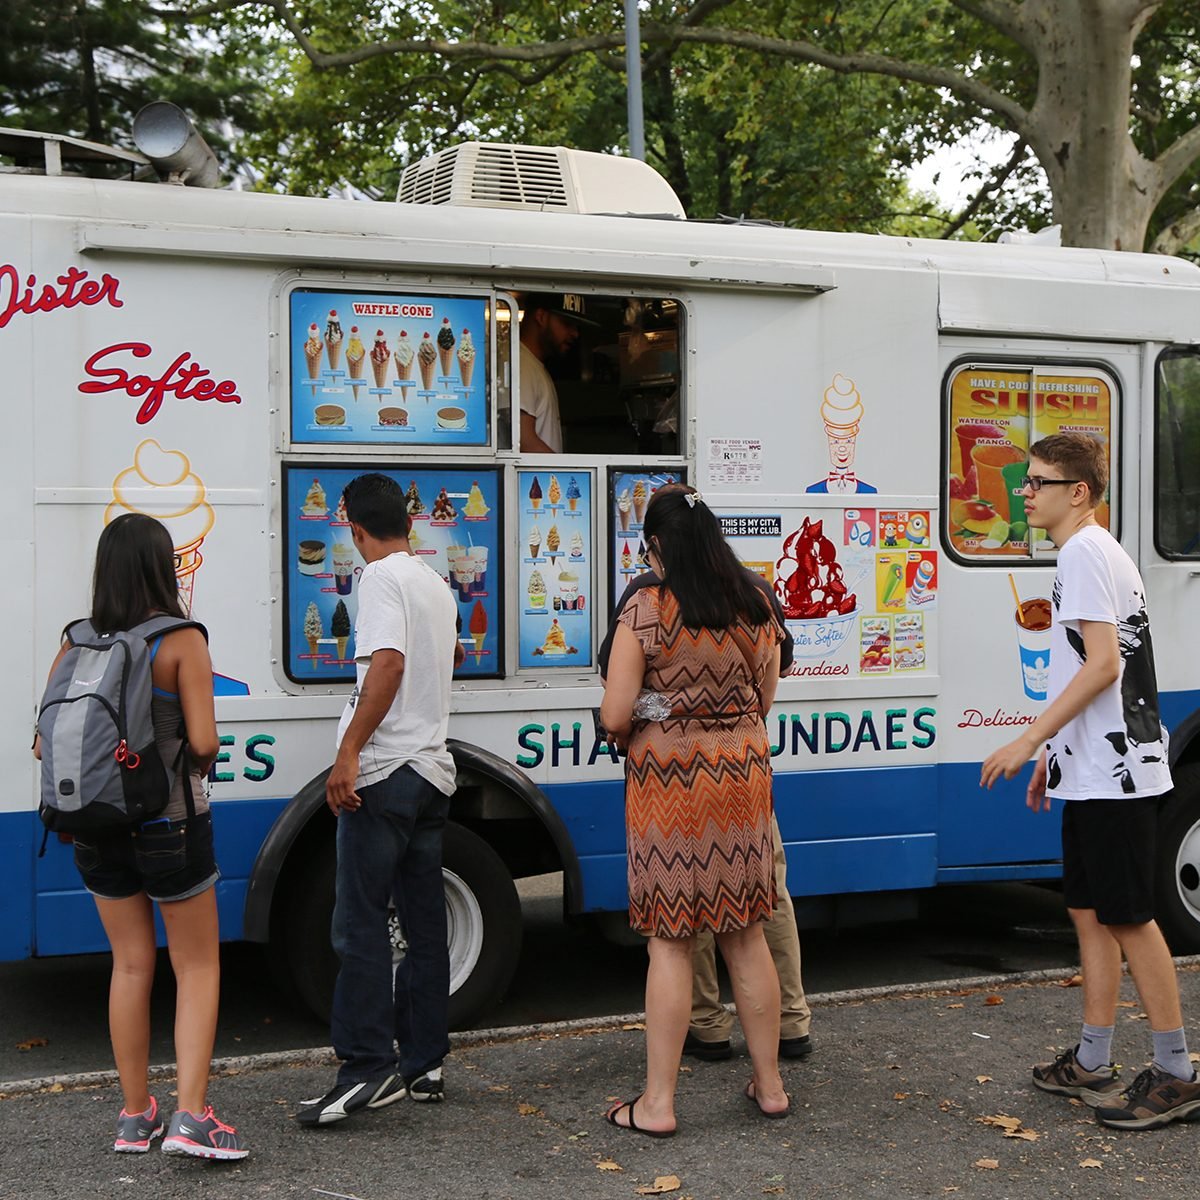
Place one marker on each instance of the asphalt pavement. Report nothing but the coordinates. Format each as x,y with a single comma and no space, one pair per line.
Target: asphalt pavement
900,1099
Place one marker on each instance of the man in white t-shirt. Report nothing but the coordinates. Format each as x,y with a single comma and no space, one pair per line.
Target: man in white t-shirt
390,790
1103,752
549,328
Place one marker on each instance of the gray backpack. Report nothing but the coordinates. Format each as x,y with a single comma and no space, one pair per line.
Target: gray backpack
101,767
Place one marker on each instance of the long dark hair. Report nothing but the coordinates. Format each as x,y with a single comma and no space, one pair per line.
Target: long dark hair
135,574
713,589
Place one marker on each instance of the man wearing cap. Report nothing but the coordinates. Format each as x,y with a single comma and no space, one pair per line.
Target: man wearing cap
549,328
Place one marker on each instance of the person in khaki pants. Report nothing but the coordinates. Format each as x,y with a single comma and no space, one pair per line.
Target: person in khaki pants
711,1023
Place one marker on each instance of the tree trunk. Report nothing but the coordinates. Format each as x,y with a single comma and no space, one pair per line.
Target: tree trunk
88,88
1104,190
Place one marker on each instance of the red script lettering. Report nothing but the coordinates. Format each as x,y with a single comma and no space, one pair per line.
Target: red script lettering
184,379
74,287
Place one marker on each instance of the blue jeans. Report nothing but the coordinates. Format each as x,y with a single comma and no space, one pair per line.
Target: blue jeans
391,849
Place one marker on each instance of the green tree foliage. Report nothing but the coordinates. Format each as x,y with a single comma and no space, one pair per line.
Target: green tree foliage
84,68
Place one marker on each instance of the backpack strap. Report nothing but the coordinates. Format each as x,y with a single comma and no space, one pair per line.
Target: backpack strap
162,625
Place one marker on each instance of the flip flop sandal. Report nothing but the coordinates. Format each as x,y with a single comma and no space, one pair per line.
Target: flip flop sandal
611,1118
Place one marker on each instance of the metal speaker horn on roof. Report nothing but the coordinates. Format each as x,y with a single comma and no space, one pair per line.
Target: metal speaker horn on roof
165,135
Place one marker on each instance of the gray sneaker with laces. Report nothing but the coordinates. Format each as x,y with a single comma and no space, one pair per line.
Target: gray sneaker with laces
203,1136
136,1131
1066,1077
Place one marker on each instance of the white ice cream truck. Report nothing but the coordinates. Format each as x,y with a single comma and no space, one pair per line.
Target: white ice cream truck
856,409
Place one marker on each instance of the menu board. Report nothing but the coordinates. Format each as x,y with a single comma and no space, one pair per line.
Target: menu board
373,368
996,414
556,576
455,530
629,492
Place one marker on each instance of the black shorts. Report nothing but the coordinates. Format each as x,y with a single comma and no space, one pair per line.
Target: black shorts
1108,858
168,860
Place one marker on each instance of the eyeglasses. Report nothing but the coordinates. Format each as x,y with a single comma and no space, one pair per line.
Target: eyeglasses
1035,483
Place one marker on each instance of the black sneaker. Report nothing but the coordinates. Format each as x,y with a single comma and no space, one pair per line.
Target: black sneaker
345,1099
797,1047
694,1047
1066,1077
388,1092
1154,1099
428,1088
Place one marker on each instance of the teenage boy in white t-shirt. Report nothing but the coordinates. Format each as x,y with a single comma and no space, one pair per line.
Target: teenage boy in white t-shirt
1103,752
390,790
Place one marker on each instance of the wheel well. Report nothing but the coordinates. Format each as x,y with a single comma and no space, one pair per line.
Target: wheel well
493,800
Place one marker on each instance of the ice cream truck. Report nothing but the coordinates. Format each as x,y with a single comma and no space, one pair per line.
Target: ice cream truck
856,409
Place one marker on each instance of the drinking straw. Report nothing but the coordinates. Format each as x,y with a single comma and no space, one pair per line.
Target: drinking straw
1016,595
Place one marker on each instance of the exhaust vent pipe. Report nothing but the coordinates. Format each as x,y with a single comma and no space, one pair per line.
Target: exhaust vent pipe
165,135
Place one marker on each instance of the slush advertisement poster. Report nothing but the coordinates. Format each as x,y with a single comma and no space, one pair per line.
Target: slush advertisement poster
372,368
995,416
455,530
557,573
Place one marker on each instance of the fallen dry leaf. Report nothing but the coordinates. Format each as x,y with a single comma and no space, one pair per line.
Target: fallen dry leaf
1001,1121
983,1079
900,1096
956,1006
1194,1057
1026,1135
777,1190
31,1043
992,1001
664,1183
947,1105
1074,981
635,1025
1091,1162
1135,1016
1126,1004
987,1164
609,1165
529,1110
498,1087
55,1087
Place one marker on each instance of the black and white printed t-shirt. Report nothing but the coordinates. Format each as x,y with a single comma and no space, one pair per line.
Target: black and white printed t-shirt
1117,747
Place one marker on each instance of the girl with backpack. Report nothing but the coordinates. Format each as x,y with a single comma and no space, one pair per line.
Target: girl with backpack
166,860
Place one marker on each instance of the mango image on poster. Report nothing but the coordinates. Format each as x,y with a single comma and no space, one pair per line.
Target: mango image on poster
889,582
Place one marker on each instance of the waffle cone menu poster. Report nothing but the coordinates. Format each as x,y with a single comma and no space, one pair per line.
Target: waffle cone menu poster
373,368
455,530
557,574
993,422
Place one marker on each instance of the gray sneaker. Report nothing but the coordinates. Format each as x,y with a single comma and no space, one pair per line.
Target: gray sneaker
136,1131
203,1136
1154,1099
1065,1077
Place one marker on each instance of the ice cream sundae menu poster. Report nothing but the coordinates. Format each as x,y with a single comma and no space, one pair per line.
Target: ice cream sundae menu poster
629,492
557,574
455,530
374,369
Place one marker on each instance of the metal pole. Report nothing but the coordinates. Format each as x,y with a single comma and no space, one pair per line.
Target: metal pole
633,79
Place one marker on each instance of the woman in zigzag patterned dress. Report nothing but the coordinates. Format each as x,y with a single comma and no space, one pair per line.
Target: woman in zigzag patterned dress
694,666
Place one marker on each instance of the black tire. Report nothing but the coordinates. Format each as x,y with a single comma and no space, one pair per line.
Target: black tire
1178,866
483,914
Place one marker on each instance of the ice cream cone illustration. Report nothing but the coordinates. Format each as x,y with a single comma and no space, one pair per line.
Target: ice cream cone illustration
427,361
445,345
380,357
404,356
313,630
313,346
639,501
356,356
161,484
339,626
333,339
466,358
478,627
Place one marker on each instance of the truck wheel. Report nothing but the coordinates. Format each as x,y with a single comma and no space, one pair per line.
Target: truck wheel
483,927
1178,876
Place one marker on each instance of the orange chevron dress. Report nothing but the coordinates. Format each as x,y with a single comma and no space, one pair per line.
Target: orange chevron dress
698,785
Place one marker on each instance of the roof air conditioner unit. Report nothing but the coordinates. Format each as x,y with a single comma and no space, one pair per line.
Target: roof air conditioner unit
537,179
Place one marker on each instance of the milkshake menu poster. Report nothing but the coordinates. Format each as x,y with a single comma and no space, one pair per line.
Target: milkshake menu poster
557,578
629,492
455,530
992,425
388,369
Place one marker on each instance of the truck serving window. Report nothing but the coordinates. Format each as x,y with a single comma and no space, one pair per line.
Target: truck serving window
614,362
1177,454
993,413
